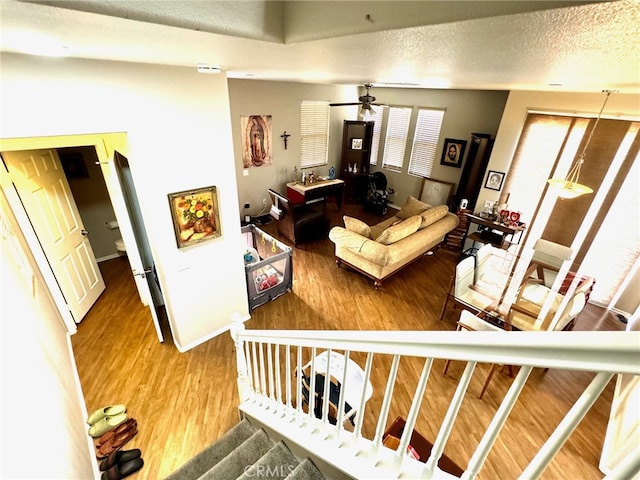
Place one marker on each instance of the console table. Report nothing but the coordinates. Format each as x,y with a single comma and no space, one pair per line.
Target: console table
320,190
495,233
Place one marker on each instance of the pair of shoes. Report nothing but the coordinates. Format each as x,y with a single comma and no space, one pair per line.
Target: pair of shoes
105,424
108,411
116,442
129,424
124,468
119,457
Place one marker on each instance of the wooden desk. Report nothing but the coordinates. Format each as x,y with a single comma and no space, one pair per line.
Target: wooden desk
488,234
298,193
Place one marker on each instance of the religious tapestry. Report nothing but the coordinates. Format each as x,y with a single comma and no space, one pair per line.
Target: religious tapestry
256,140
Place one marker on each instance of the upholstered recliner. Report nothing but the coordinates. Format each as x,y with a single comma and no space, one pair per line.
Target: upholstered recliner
298,223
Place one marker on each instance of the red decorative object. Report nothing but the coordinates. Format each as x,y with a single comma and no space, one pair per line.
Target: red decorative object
514,217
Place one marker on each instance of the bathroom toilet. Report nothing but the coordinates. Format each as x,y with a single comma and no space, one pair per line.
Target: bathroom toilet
120,248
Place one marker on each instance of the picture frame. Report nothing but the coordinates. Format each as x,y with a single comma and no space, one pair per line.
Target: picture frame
356,144
494,180
195,215
435,192
453,152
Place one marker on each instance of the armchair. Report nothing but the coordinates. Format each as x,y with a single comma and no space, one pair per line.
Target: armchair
298,223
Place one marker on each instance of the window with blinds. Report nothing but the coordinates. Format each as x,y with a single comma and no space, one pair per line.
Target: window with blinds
314,131
425,140
548,147
377,128
396,137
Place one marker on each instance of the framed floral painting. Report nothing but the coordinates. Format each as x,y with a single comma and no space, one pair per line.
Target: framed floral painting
196,216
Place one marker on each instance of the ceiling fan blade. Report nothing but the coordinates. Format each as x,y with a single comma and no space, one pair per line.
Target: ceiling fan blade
343,104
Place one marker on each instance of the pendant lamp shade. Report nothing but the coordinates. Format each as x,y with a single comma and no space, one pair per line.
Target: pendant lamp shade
570,187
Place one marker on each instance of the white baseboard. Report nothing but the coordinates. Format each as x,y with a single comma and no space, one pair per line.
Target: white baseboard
108,257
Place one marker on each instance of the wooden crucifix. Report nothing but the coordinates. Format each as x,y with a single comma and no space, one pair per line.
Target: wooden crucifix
285,136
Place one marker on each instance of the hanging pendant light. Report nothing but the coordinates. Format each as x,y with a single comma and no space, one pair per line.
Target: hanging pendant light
570,187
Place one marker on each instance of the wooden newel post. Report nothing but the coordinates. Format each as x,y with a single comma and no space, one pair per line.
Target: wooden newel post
237,327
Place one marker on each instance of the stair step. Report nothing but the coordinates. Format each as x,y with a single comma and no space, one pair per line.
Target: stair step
306,470
277,463
212,455
235,464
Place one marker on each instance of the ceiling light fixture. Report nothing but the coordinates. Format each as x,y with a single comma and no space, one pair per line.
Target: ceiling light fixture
366,112
569,187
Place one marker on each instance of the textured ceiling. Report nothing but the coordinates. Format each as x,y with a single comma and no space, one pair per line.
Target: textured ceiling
584,47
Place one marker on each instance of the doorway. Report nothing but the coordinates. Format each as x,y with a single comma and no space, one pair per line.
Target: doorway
104,147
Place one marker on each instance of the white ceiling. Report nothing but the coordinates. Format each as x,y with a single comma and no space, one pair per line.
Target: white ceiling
503,45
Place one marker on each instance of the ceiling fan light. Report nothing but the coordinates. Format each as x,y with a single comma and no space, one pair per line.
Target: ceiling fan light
366,112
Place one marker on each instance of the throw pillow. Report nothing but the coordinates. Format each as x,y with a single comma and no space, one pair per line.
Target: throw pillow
399,231
412,207
432,215
355,225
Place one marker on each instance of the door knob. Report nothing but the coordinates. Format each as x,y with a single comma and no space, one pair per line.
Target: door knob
85,233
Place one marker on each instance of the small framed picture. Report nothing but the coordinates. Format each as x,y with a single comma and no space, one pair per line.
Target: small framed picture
453,152
494,180
195,214
356,144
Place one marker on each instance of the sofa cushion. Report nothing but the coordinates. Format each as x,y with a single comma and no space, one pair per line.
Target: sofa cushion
357,226
432,215
400,230
412,207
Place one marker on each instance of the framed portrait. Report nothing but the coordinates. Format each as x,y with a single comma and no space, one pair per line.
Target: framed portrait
453,152
435,192
256,140
494,180
196,216
356,144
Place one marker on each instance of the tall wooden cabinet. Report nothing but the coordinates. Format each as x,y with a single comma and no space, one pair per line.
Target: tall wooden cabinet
357,137
474,169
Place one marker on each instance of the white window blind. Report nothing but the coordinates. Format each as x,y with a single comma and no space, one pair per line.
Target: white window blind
396,138
377,127
314,131
425,140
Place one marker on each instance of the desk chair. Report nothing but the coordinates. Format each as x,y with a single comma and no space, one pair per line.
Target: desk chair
463,293
298,223
470,322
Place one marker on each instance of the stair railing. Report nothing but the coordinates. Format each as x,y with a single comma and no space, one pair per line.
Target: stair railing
260,387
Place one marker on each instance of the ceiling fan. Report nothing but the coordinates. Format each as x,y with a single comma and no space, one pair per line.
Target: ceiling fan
366,101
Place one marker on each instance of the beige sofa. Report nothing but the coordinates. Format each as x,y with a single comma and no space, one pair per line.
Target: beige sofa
381,250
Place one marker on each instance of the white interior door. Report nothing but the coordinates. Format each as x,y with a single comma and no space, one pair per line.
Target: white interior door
134,234
45,193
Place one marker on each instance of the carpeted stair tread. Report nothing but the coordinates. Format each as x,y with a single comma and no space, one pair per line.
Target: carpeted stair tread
277,463
306,470
235,464
212,455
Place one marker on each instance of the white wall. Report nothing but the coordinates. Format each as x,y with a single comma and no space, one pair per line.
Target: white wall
177,122
282,100
43,429
466,112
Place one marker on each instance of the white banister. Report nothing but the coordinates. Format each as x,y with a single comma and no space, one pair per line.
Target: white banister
415,406
386,401
260,387
449,419
567,426
491,434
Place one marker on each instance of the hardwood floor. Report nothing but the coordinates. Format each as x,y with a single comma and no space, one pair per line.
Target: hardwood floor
184,402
